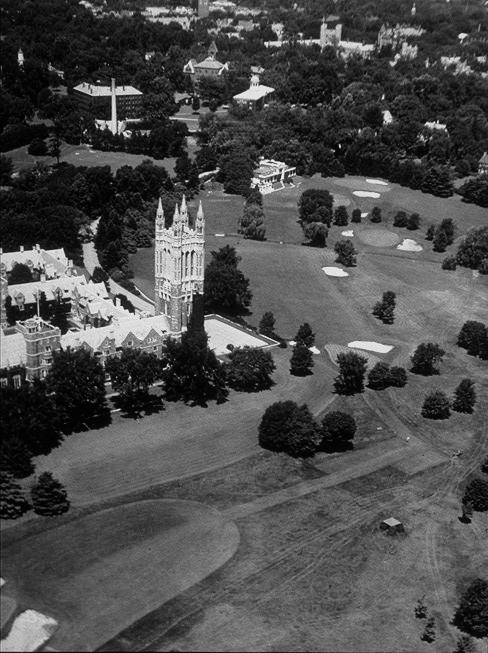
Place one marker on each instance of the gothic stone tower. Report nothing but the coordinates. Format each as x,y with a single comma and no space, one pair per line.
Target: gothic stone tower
178,264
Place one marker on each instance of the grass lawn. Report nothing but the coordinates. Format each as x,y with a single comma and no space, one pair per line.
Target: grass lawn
83,155
99,573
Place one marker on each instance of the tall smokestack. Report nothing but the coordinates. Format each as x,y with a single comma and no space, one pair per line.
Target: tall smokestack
114,129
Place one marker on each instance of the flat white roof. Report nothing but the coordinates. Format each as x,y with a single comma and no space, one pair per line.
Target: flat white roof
222,332
254,93
105,91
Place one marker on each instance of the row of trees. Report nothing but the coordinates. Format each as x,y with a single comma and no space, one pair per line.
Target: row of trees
48,497
437,404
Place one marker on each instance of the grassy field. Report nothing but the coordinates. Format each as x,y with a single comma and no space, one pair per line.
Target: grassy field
142,554
83,155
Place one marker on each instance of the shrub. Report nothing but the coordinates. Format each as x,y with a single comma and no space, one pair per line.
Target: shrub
379,376
301,361
341,217
346,254
266,326
429,234
413,222
449,263
398,377
376,214
436,406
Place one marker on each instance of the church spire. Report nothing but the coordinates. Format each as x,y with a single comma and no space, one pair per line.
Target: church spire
184,212
160,214
200,222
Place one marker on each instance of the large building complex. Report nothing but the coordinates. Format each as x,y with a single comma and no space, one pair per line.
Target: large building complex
208,68
98,100
272,175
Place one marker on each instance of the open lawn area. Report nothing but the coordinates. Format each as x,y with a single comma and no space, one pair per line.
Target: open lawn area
101,572
84,155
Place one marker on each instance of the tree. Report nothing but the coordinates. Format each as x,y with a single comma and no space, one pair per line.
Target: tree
356,215
48,496
15,457
20,273
341,217
429,631
13,504
77,380
472,337
352,369
316,233
471,615
226,288
346,254
252,222
449,263
464,397
195,103
289,428
338,430
301,361
484,466
249,369
192,372
54,147
266,326
420,609
37,147
400,219
379,376
376,214
440,241
131,375
305,335
465,645
426,357
429,234
315,202
436,406
6,169
384,310
473,249
476,493
398,377
413,222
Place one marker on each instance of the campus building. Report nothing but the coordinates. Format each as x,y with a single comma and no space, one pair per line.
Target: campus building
272,175
208,68
98,100
483,165
254,97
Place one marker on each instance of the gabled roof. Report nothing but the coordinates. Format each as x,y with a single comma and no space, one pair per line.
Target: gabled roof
484,158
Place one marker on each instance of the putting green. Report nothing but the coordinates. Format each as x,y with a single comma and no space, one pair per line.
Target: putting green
378,237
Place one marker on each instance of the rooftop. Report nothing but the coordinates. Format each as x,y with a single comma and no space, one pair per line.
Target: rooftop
254,92
105,91
36,258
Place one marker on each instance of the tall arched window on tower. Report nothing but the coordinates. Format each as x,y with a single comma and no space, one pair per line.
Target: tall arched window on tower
187,258
192,263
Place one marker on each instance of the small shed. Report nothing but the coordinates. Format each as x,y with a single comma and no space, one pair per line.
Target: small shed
392,526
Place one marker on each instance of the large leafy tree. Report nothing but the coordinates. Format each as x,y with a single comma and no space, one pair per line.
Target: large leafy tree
301,361
472,337
312,201
15,457
193,373
436,406
289,428
226,287
20,273
346,254
29,416
476,494
464,397
131,376
305,336
471,615
250,369
77,381
352,369
338,430
426,357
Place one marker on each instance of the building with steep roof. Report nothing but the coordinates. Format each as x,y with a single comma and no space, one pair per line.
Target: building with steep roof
208,68
53,263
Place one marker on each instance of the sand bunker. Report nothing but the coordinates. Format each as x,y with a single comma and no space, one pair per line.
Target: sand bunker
378,237
29,632
366,193
409,245
314,350
380,182
219,235
364,214
349,233
370,346
335,272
